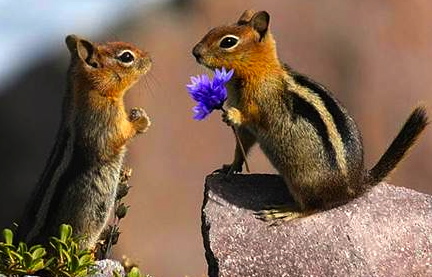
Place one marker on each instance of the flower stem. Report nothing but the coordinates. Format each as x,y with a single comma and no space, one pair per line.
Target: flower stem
241,148
240,145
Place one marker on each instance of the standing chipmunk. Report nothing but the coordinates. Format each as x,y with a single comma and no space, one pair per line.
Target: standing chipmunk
79,183
304,131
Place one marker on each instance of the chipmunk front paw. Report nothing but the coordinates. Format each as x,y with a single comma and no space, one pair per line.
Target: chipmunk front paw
139,118
232,117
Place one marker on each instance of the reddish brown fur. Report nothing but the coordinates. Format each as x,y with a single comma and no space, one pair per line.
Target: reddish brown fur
252,63
103,88
305,132
79,187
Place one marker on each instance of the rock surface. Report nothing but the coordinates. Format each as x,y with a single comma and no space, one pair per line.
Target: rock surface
386,232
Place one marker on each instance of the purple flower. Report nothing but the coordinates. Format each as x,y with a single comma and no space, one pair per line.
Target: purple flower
210,94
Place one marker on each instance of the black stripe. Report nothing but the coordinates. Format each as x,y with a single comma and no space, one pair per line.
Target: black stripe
304,109
339,118
77,167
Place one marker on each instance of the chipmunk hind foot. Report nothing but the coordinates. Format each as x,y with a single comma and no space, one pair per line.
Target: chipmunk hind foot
278,214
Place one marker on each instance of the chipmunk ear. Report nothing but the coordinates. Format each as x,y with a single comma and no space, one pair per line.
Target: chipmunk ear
260,22
82,49
245,17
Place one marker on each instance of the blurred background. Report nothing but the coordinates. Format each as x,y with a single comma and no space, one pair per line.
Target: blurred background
375,55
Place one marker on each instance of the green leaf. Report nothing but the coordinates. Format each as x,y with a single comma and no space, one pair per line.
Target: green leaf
135,272
73,247
28,260
20,271
15,255
38,265
22,247
74,264
50,261
38,253
8,256
58,244
84,252
66,255
8,236
34,247
65,232
54,242
86,260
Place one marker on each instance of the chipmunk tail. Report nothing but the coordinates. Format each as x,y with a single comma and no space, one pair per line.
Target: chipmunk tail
397,150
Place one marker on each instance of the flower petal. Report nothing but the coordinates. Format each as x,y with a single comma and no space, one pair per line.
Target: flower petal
209,94
200,111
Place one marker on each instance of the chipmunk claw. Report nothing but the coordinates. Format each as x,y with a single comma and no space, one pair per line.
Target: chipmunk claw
276,215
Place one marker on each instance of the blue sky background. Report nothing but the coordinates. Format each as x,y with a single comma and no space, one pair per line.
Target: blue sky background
32,29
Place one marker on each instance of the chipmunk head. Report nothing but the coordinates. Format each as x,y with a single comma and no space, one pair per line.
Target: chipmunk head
109,68
244,46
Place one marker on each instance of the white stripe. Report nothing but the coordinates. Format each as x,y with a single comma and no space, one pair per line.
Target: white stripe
334,136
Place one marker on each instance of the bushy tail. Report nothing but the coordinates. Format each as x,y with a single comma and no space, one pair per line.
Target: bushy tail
406,138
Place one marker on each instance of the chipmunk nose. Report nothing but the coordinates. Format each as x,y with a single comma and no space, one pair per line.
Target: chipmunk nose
197,52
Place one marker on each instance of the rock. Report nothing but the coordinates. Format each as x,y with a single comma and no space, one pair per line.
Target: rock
386,232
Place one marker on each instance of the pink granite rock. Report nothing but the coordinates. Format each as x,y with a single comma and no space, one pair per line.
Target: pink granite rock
386,232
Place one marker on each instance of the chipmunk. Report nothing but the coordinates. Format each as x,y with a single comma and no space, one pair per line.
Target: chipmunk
304,131
79,183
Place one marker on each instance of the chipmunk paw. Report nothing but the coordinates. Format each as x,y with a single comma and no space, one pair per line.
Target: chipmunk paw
139,119
276,215
232,117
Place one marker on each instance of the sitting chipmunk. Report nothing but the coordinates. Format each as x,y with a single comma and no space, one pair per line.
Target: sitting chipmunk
79,183
304,131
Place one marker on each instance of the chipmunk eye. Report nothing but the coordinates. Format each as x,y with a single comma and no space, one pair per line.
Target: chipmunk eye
228,41
126,56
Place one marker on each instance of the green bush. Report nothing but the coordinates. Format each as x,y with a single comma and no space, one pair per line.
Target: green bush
68,259
65,259
20,260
